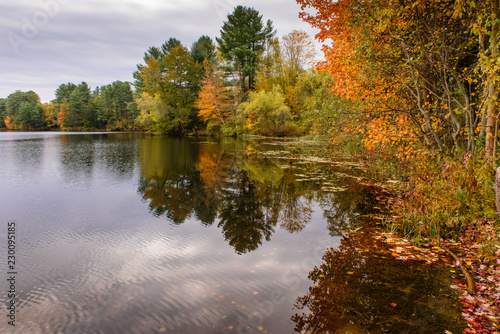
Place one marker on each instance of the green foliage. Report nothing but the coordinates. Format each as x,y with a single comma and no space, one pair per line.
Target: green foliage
29,115
111,106
153,53
23,111
63,91
265,113
174,80
231,128
160,118
320,112
115,106
169,46
442,199
202,49
242,41
76,106
3,112
272,68
76,103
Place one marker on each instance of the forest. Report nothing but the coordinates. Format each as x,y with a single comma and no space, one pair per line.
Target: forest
246,81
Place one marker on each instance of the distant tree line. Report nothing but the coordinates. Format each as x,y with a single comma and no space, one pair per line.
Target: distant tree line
75,107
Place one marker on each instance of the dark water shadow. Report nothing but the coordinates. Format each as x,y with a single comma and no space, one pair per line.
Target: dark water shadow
360,288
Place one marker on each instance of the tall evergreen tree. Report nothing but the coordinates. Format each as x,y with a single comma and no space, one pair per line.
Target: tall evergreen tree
156,54
63,92
242,41
74,105
202,49
169,45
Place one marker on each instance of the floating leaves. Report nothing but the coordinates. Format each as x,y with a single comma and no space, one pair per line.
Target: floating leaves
481,311
333,189
404,251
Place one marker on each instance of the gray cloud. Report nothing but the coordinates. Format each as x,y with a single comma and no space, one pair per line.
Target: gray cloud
44,43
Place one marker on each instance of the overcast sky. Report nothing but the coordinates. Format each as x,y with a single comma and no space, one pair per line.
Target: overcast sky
44,43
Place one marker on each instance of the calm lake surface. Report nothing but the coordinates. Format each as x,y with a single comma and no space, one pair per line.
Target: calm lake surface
130,233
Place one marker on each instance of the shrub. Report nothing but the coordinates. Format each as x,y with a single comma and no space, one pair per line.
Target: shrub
442,199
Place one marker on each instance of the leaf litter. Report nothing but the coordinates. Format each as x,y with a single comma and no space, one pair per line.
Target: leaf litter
481,310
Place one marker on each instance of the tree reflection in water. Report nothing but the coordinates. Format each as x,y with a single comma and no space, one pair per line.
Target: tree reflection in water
248,195
242,217
359,288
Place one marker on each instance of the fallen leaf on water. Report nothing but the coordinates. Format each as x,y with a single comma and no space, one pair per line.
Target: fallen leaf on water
255,293
163,329
117,306
394,304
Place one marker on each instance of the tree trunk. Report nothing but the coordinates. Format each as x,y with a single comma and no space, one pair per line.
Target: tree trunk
496,186
491,110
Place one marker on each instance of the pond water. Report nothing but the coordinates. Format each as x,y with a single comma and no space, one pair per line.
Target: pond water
131,233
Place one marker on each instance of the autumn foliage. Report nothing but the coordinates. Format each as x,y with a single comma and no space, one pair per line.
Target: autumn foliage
213,100
414,68
8,123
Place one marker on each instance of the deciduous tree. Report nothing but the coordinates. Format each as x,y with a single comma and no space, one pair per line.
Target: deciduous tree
214,102
175,80
23,111
266,113
409,65
299,51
